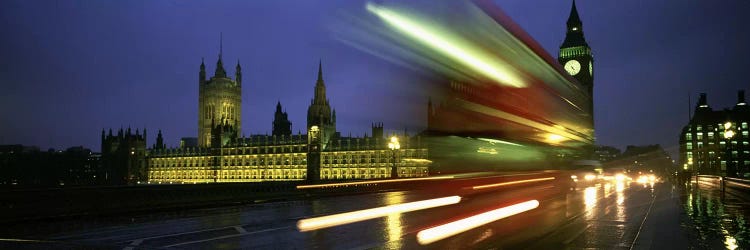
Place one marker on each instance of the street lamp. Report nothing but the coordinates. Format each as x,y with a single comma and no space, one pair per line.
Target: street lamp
394,145
728,134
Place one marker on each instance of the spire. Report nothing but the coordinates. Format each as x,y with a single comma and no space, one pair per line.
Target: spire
278,107
202,73
320,88
574,36
238,73
573,19
220,72
320,71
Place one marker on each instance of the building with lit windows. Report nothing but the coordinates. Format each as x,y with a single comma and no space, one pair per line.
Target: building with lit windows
320,154
717,141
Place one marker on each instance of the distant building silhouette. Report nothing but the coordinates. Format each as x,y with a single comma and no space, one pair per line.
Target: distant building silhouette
281,123
124,156
644,159
606,153
28,166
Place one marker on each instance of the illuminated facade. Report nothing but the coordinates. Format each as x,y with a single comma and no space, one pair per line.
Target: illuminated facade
223,156
283,158
717,142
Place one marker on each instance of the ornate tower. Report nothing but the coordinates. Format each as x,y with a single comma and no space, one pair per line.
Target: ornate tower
219,101
281,123
319,113
577,59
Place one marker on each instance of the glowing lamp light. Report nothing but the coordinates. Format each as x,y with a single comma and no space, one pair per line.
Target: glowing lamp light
589,177
393,144
619,177
437,233
366,214
728,134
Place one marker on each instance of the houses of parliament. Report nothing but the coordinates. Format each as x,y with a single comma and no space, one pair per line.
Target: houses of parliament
221,155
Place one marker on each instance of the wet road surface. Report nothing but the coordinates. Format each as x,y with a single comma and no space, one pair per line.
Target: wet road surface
602,215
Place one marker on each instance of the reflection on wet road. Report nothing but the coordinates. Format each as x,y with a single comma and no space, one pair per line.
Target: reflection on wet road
606,214
720,220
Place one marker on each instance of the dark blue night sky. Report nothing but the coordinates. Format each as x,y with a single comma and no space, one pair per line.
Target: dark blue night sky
70,68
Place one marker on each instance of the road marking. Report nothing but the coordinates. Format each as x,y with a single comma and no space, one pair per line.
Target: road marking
178,234
576,235
643,222
133,244
226,237
240,229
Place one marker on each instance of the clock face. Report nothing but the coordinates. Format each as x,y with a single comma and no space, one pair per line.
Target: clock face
573,67
591,68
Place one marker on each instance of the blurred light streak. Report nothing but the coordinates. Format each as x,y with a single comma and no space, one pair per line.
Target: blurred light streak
479,108
512,183
366,214
453,47
344,184
437,233
499,141
555,138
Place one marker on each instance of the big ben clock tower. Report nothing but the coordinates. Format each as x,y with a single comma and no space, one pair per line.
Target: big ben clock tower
576,58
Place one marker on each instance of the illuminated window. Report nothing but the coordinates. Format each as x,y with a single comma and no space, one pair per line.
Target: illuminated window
744,125
710,135
700,128
744,134
700,136
688,136
700,144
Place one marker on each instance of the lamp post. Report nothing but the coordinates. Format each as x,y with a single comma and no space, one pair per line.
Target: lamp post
394,145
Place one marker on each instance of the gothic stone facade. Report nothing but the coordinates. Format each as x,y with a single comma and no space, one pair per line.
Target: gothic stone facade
223,156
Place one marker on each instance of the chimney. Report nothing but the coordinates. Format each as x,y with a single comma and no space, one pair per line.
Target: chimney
702,101
741,97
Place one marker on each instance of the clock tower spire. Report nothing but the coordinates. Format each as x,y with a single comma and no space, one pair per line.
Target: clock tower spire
577,60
